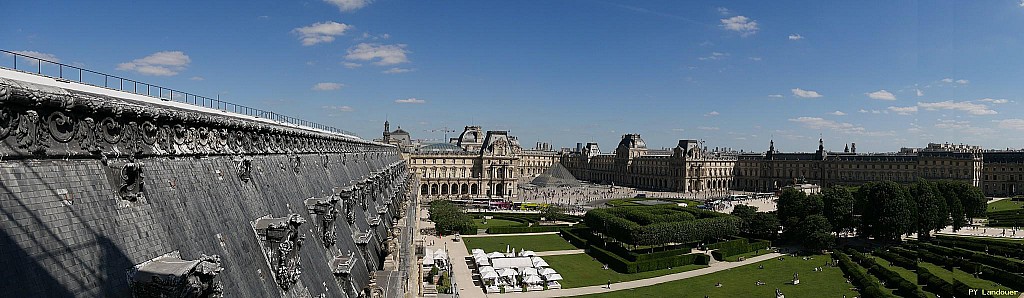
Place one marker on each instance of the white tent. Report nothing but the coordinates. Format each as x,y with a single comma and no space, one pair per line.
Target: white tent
538,262
489,275
428,262
532,279
477,251
486,269
553,277
483,261
507,272
495,255
440,254
527,253
529,271
547,271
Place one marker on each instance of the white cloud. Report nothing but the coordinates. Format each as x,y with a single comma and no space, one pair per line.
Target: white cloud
744,25
166,63
1017,124
395,70
349,5
384,54
34,54
197,78
1021,3
327,86
964,106
796,37
919,92
903,110
805,93
881,94
947,80
410,100
321,32
755,58
838,113
678,129
953,124
339,108
995,101
775,95
707,128
725,11
962,81
712,113
714,56
352,65
819,123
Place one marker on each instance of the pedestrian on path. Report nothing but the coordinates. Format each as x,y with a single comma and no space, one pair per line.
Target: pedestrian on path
609,284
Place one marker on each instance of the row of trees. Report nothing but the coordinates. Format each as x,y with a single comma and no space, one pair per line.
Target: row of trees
663,224
883,210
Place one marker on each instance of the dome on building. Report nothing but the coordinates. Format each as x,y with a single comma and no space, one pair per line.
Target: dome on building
441,147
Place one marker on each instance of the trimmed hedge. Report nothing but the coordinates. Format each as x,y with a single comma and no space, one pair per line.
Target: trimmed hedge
655,226
1006,218
979,257
645,263
574,239
893,280
523,229
896,259
735,247
942,287
994,247
868,287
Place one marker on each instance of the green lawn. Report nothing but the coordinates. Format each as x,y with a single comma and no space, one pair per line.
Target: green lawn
547,242
739,282
581,270
1004,205
964,277
494,223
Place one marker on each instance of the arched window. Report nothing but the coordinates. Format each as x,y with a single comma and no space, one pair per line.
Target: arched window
465,188
423,189
444,189
433,189
455,189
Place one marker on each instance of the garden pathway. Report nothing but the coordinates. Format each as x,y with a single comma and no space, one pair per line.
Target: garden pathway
560,252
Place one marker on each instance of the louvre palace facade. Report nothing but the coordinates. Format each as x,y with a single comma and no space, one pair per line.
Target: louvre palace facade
691,167
475,164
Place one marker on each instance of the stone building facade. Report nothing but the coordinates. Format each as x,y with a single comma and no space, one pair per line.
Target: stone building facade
688,167
772,169
477,164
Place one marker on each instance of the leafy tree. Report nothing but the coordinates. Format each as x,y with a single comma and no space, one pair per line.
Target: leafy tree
763,225
957,214
745,213
816,232
932,213
838,208
888,210
551,212
791,210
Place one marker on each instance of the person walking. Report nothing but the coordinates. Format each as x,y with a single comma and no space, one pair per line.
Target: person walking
609,284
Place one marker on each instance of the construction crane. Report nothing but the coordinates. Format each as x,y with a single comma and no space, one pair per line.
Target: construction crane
445,130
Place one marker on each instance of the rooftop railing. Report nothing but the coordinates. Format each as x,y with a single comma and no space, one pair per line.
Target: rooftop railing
68,73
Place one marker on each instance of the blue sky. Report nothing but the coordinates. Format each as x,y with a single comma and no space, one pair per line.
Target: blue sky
883,74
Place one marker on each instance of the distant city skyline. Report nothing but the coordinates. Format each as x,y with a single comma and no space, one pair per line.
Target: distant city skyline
884,75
